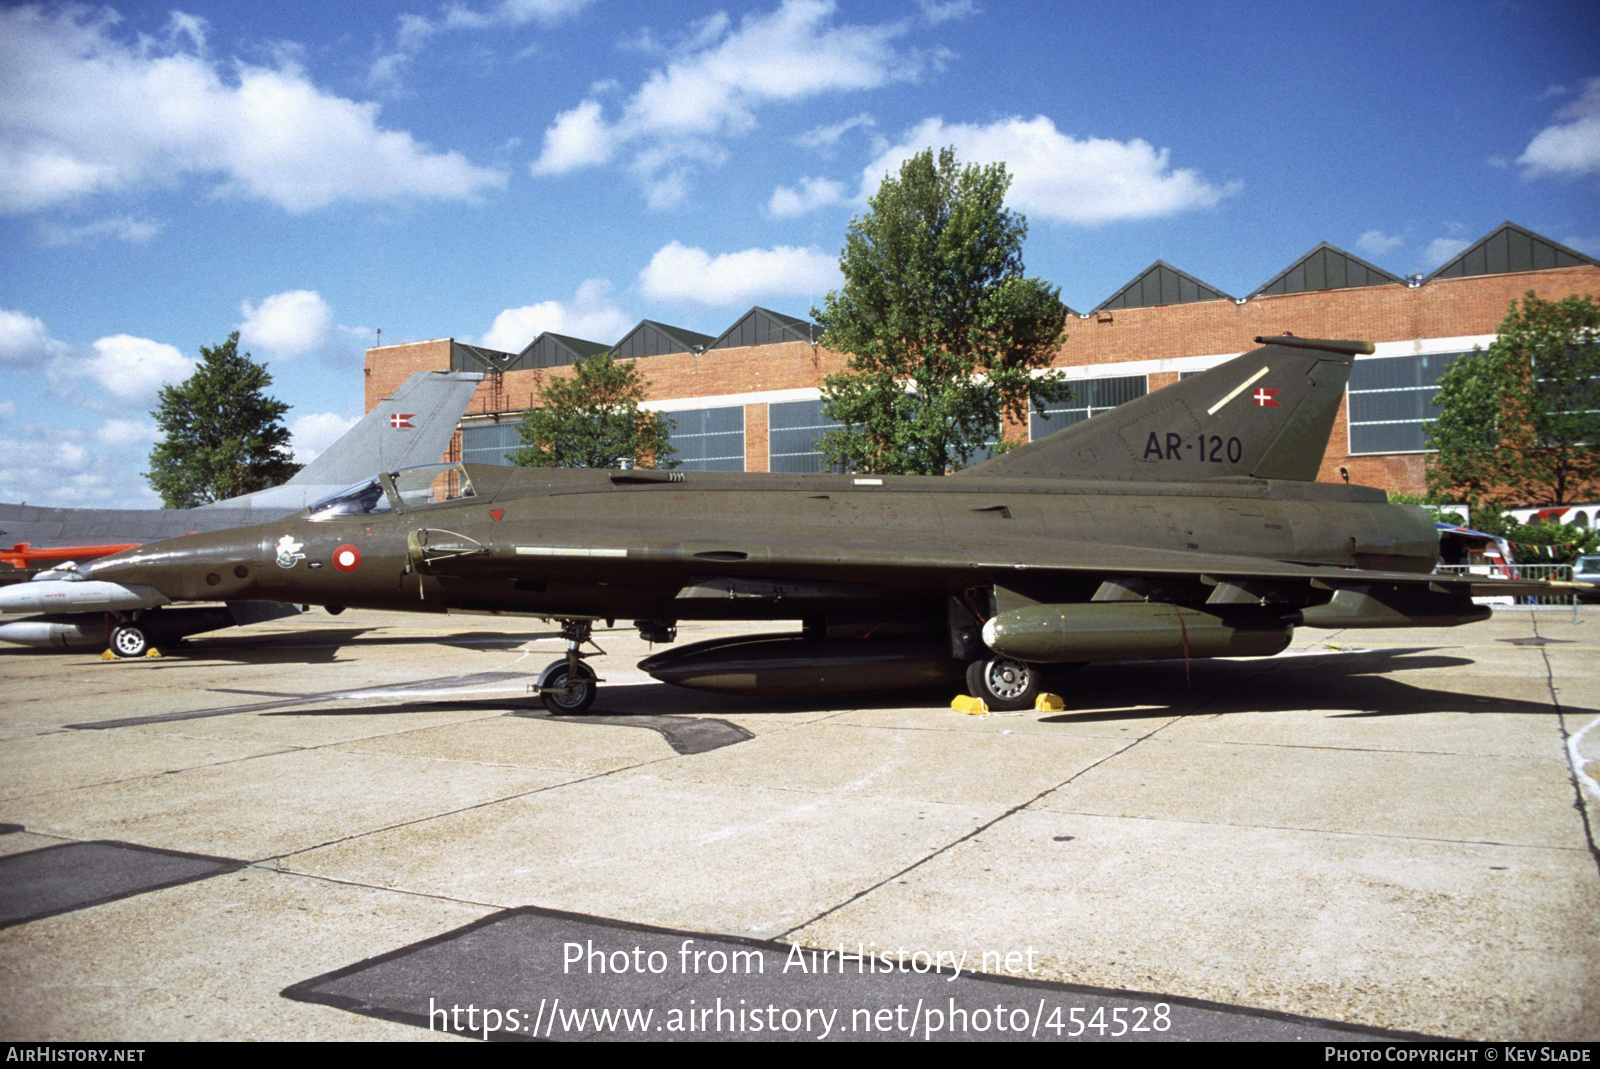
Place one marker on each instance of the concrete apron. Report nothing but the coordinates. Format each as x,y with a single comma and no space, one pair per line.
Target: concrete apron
1381,828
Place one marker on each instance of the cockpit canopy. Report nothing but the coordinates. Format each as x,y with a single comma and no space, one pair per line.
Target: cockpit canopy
429,484
432,484
362,499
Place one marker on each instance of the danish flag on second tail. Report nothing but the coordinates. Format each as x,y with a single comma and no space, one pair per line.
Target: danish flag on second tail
1264,397
401,419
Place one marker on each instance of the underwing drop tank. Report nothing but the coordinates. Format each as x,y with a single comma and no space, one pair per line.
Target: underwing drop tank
1094,631
791,664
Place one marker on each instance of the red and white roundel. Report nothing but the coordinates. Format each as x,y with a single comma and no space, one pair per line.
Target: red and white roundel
347,558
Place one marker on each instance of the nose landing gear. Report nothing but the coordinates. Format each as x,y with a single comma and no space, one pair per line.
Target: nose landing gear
568,686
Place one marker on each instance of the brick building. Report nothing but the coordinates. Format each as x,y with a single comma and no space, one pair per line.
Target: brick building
748,399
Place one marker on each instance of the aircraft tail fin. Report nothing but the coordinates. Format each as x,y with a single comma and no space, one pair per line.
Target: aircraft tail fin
411,426
1266,414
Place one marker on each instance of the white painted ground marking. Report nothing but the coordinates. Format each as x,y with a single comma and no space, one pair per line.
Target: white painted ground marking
1573,743
1237,390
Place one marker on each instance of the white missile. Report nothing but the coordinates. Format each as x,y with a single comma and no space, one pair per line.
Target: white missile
84,595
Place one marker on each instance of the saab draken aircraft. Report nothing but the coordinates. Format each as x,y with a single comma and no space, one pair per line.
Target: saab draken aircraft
1184,524
412,426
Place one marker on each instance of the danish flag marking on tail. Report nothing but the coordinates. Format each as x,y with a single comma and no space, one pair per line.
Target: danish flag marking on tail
1264,397
401,419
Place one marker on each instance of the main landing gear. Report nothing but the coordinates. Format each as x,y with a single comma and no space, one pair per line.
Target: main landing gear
129,640
1004,684
568,686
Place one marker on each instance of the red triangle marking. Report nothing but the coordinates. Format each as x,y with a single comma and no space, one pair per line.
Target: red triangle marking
497,513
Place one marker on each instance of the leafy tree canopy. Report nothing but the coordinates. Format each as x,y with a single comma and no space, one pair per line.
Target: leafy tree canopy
222,436
1520,424
941,326
593,420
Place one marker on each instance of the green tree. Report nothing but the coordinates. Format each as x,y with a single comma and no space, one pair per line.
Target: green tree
593,420
222,436
1520,423
942,328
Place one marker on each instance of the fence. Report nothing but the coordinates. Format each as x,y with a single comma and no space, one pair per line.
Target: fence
1555,572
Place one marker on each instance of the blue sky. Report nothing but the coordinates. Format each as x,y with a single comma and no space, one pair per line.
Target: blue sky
307,173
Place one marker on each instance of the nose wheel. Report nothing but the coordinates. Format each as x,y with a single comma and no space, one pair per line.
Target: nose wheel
1004,684
566,692
567,687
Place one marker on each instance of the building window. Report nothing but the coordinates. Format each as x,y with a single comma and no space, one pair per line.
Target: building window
1090,397
709,439
1391,402
489,443
792,430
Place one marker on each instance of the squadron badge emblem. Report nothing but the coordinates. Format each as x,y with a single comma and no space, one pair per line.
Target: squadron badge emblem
289,551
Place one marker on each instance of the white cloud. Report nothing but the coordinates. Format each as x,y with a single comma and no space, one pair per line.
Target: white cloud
1059,178
1441,251
116,432
937,11
310,434
1570,148
825,138
588,315
7,409
133,369
24,339
416,30
50,465
511,13
578,138
286,324
716,81
1376,242
121,228
679,273
82,112
814,193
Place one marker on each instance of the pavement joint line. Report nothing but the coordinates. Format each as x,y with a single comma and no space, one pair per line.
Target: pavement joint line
346,694
155,775
986,825
1567,749
1339,749
1314,831
297,874
469,808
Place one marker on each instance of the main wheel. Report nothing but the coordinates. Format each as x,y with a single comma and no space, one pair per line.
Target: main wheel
1004,684
576,699
129,640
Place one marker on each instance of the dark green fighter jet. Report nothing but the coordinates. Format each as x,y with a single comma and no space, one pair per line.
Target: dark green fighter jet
1182,524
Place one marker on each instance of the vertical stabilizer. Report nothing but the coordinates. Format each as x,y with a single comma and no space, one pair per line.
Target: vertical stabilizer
1266,414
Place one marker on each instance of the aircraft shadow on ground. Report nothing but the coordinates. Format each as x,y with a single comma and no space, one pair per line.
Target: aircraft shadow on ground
1356,683
1347,684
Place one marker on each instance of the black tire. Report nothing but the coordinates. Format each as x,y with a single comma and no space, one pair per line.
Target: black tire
129,640
1004,684
583,691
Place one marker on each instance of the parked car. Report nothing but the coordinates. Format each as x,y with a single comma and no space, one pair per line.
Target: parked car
1587,570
